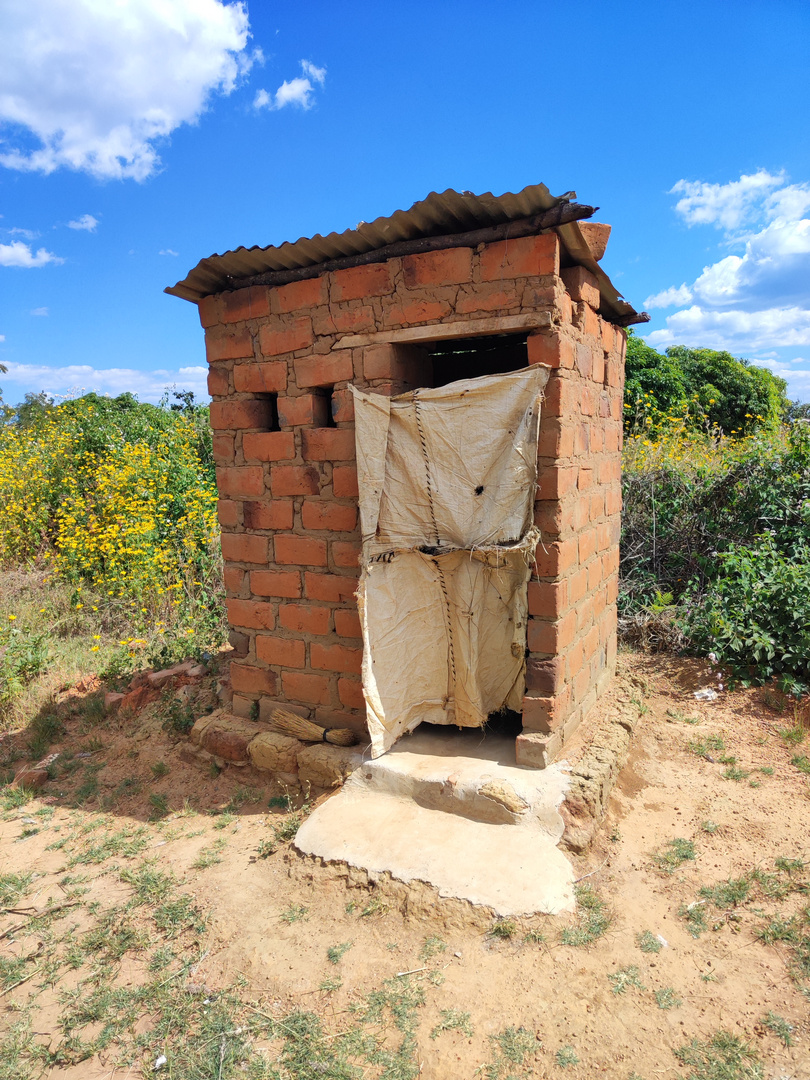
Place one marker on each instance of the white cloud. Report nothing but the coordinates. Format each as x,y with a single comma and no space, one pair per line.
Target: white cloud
672,297
726,206
740,332
86,222
296,91
29,234
20,254
98,83
40,312
168,251
2,337
316,73
82,378
758,300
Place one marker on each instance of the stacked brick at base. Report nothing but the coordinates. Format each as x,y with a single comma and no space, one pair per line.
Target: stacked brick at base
288,497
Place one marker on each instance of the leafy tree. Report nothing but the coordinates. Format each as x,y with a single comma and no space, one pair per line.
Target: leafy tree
734,394
717,388
649,374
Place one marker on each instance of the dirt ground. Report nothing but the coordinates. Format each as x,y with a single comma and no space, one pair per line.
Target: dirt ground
570,996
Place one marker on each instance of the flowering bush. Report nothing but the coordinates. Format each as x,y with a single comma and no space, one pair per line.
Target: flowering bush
118,498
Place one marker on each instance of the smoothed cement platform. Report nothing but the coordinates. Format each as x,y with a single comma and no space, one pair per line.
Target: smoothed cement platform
451,808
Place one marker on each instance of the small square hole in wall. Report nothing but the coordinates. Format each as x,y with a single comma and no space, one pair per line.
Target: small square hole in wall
270,411
325,416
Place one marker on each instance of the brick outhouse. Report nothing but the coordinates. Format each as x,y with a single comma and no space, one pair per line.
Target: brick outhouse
459,287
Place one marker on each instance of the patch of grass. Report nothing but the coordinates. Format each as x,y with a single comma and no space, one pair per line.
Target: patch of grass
12,887
565,1057
85,791
160,806
12,970
265,849
150,885
666,998
160,769
793,736
703,747
802,763
723,1056
681,717
125,842
328,986
789,866
225,819
242,796
176,717
294,913
130,786
728,894
280,802
674,854
648,942
625,979
177,915
11,798
779,1026
766,770
594,918
114,936
432,946
734,772
375,906
210,856
695,918
335,953
43,731
511,1047
161,958
534,937
452,1020
503,928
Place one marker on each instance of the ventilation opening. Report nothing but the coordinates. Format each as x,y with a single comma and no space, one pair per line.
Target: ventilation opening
270,417
469,358
325,411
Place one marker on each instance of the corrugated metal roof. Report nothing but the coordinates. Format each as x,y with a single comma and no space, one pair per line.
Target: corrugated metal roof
439,214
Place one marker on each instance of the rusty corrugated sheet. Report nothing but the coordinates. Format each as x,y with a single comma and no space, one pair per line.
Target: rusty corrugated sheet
446,212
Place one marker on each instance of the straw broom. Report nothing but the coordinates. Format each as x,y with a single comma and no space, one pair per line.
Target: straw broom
287,723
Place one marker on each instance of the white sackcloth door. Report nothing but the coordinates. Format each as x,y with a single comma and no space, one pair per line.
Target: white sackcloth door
447,479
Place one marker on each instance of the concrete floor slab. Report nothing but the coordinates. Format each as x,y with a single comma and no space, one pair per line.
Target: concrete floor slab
454,810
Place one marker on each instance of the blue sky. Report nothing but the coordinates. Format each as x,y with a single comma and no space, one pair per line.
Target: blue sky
139,137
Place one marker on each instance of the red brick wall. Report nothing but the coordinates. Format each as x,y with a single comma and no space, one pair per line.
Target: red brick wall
572,594
288,498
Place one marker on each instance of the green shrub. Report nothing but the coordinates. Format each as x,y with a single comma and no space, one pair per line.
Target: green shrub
755,617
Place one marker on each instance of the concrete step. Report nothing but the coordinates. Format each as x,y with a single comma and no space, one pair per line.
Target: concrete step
469,774
514,870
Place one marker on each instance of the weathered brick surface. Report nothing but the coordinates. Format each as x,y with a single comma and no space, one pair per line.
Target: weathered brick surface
449,267
295,334
288,498
222,344
322,370
260,378
244,480
238,415
268,446
294,480
306,409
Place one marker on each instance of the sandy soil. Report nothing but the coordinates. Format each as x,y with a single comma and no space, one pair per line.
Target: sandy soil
724,979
